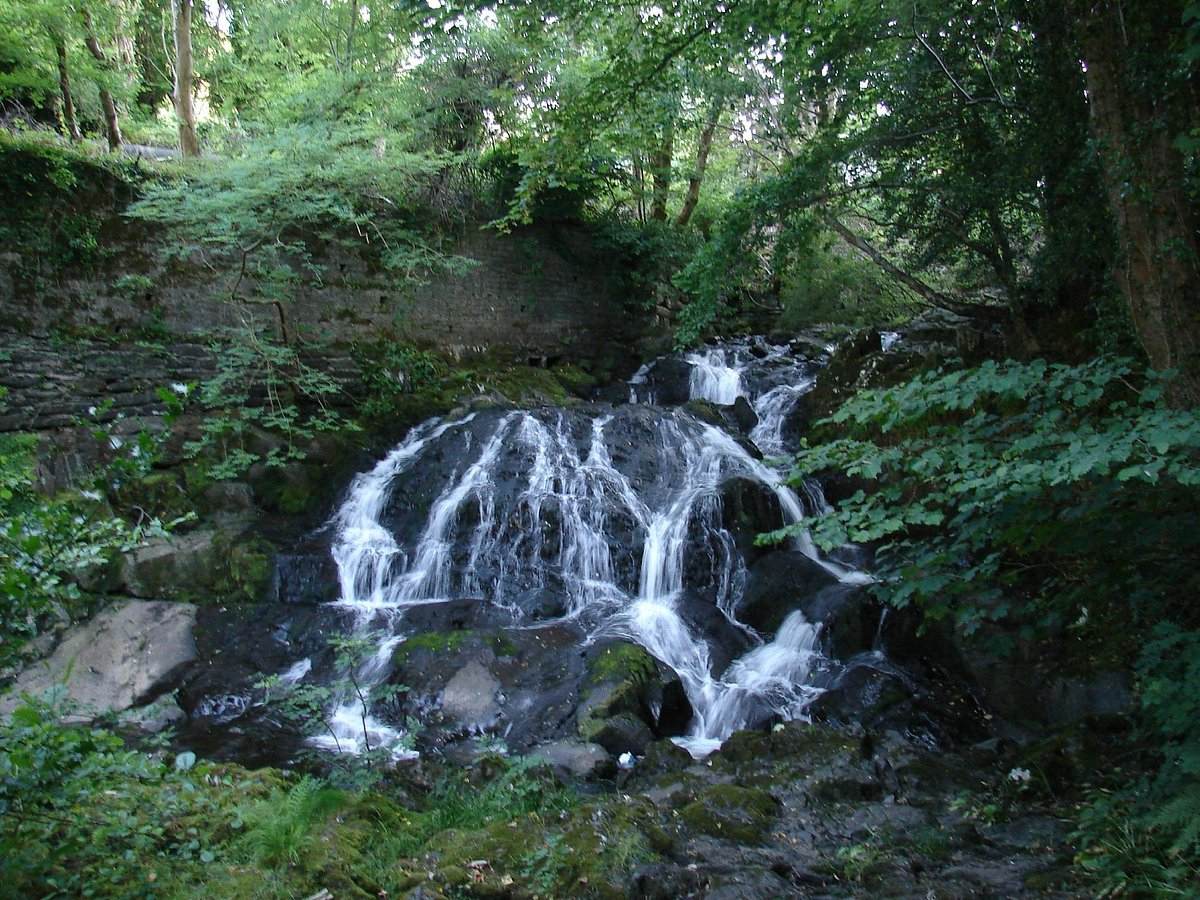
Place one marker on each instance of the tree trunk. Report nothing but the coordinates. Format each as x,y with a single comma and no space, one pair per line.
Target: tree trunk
64,85
112,127
692,197
926,292
181,11
1158,269
660,175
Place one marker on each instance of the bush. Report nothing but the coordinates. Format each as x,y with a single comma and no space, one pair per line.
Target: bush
1058,499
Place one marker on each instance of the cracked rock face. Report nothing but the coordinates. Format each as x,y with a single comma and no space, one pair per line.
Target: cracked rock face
126,656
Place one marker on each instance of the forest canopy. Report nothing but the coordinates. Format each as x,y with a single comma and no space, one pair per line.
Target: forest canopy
1035,159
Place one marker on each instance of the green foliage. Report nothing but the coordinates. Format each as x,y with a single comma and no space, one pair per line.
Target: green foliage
987,476
1170,667
49,545
80,815
279,829
392,373
54,201
256,214
829,285
263,405
1056,499
1143,838
522,788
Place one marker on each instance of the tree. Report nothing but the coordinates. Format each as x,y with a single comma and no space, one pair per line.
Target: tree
1139,110
70,124
696,176
111,125
181,11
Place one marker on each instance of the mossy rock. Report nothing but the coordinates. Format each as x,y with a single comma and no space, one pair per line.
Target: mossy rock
706,411
431,642
800,744
732,813
579,382
614,712
443,642
204,567
160,494
623,662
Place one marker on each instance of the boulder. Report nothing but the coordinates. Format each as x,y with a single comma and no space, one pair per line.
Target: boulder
778,584
623,733
670,381
470,696
743,414
126,656
211,565
582,760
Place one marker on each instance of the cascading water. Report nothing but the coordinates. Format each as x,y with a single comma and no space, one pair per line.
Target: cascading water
615,513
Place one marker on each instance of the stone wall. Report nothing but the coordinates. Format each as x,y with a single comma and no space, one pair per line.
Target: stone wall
120,321
541,292
55,384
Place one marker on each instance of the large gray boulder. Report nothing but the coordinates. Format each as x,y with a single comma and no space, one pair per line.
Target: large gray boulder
126,656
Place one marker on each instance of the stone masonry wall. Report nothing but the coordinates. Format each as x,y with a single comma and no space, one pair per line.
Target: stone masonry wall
539,292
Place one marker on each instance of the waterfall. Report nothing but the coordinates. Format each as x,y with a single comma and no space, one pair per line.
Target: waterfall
714,377
615,511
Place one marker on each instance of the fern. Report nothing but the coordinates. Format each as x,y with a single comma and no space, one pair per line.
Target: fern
279,829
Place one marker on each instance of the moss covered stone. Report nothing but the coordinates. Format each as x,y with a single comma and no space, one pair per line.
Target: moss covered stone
731,812
613,713
205,567
432,642
623,662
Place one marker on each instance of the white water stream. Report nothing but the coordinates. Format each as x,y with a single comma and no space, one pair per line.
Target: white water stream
615,546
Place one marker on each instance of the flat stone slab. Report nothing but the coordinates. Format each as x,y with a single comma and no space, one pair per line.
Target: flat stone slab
124,657
470,696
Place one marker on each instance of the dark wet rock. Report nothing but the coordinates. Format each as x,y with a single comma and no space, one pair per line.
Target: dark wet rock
749,509
777,584
877,695
1104,694
519,684
669,381
664,881
306,576
743,414
726,641
464,614
622,733
849,619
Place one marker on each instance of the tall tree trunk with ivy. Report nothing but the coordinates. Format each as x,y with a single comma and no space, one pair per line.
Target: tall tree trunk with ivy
70,123
181,11
1158,270
112,126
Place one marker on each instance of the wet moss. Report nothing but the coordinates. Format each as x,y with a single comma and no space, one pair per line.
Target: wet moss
432,642
622,662
731,812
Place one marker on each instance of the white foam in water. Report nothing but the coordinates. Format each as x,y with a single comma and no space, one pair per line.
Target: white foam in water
296,671
503,553
714,376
